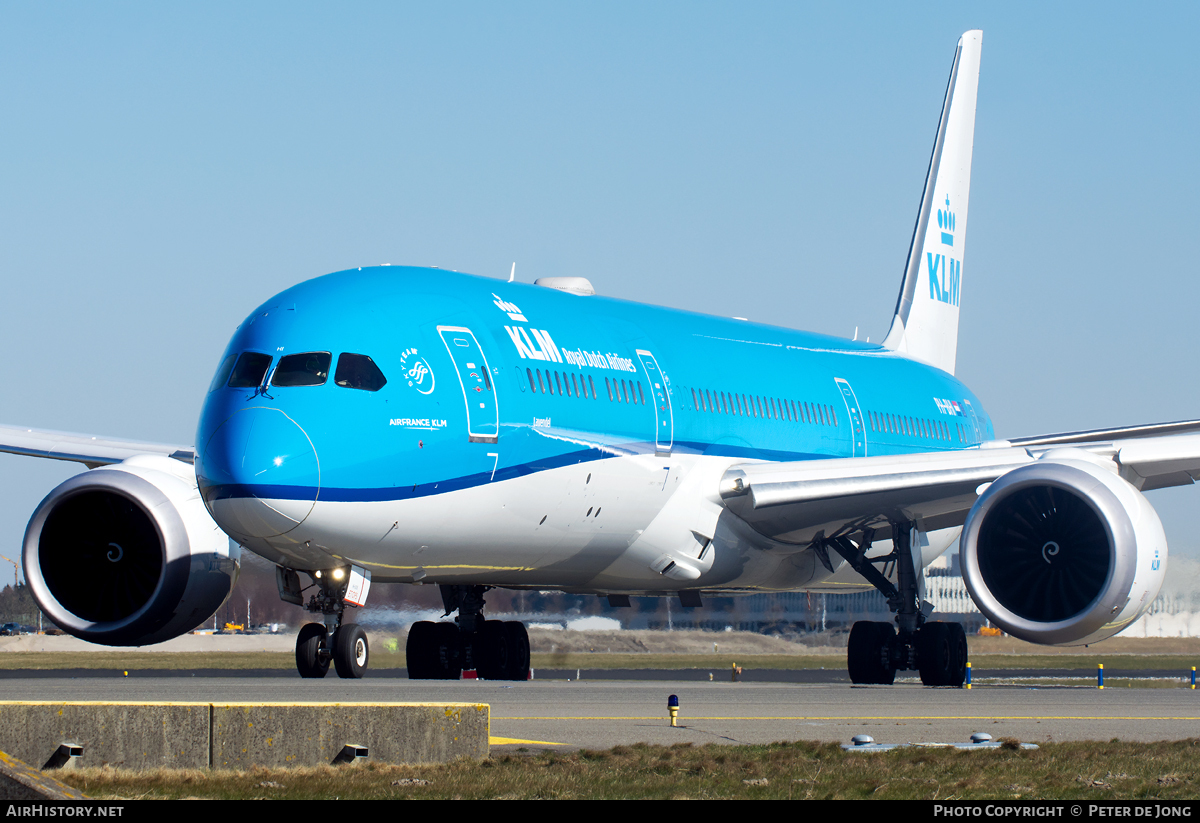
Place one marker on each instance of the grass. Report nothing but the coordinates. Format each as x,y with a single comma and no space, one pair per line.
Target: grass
802,770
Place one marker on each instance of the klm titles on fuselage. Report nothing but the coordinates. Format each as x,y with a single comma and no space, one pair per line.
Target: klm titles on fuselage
536,344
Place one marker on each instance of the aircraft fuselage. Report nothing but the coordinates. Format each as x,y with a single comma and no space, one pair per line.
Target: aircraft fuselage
528,437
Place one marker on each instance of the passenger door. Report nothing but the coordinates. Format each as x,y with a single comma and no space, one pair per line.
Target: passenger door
858,431
479,393
664,420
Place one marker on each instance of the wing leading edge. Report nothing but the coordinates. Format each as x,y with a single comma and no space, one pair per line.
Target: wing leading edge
804,501
83,448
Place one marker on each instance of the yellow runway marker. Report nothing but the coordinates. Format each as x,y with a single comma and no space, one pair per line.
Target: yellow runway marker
509,741
888,717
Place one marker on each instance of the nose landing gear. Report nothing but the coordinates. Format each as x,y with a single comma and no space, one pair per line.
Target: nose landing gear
496,650
319,644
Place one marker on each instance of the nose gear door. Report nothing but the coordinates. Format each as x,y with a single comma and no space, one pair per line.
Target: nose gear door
479,393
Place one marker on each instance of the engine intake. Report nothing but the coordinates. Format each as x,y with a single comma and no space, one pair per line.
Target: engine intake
1063,551
127,555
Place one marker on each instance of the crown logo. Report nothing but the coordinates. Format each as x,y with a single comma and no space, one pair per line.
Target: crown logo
510,308
946,223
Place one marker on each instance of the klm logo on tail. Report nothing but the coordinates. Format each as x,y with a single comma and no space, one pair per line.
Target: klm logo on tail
945,273
946,223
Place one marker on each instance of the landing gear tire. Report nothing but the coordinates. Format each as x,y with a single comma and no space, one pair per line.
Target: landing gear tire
503,651
312,657
416,651
958,647
447,652
350,651
518,643
432,651
942,654
868,655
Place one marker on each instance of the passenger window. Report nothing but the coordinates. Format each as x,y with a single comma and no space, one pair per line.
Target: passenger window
529,374
308,369
250,370
354,371
223,373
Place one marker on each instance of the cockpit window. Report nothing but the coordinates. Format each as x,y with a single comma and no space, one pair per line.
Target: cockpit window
223,373
357,371
250,370
308,369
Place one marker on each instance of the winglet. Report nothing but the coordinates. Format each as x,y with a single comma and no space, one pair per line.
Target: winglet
925,325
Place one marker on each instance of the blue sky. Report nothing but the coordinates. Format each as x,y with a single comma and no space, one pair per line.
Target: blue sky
169,166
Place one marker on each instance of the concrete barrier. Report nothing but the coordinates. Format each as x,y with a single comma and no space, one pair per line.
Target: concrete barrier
308,734
240,735
20,781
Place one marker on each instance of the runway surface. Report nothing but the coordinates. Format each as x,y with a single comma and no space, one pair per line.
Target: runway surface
604,713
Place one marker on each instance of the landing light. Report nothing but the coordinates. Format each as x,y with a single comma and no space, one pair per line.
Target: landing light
338,574
278,461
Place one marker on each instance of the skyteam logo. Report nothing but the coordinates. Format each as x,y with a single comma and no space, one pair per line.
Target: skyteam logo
417,371
945,273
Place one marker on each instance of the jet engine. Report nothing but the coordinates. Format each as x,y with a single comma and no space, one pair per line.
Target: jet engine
127,555
1063,551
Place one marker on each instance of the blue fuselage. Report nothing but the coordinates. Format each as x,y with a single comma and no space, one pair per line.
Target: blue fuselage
486,382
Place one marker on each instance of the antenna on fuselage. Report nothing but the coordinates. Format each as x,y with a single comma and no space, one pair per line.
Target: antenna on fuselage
512,275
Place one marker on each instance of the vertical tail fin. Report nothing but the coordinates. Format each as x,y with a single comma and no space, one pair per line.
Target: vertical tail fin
925,326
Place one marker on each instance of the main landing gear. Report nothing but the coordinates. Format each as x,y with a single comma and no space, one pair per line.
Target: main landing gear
332,641
877,650
496,650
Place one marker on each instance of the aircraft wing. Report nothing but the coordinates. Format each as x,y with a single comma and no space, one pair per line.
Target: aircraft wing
799,502
83,448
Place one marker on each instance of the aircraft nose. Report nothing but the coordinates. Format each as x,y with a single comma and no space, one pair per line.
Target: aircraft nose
259,473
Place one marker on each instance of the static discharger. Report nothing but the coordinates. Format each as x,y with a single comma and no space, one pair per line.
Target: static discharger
673,709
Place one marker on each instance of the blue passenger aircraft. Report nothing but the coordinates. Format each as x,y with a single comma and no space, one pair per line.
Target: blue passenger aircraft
421,426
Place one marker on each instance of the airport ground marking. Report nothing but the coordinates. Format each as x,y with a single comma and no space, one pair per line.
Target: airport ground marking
511,741
874,717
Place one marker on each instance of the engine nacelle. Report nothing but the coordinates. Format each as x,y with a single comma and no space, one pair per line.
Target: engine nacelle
1062,551
127,555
